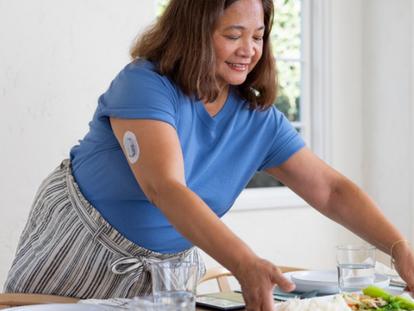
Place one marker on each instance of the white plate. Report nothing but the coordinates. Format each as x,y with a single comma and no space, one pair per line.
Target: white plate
325,281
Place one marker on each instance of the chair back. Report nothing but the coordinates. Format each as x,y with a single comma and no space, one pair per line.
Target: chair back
221,274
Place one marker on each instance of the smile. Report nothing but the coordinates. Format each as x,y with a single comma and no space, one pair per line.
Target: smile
238,67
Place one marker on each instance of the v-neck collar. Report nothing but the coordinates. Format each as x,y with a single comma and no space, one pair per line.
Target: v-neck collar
223,113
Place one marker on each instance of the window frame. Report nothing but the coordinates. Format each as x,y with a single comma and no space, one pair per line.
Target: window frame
315,99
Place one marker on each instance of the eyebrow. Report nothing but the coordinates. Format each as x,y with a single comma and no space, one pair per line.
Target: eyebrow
239,27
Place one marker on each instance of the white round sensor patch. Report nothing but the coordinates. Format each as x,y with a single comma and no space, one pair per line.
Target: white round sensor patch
131,147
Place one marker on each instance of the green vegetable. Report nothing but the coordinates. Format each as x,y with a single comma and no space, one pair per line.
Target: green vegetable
394,302
377,292
405,303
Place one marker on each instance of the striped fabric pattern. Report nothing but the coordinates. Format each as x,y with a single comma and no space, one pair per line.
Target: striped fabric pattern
68,249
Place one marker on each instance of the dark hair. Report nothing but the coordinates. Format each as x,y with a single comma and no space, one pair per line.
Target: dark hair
181,43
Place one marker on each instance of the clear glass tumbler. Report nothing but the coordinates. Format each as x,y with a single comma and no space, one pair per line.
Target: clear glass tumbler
174,284
356,267
172,303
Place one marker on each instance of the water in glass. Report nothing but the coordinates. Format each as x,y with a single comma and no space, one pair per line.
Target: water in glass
176,301
353,277
356,266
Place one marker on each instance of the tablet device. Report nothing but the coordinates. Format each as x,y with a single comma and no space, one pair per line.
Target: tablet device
221,301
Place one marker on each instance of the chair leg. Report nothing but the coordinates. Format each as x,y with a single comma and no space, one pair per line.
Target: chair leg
223,284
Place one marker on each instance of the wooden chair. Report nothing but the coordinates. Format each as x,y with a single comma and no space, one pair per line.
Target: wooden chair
221,274
285,269
8,300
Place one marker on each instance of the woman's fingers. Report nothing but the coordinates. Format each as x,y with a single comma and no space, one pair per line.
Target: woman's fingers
281,281
258,279
268,303
262,301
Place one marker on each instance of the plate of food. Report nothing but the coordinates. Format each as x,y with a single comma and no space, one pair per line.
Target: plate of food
326,303
372,298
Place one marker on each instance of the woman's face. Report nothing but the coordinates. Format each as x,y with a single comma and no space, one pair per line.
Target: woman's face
238,41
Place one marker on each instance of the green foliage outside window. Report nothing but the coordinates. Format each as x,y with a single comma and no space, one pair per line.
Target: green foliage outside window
161,6
286,43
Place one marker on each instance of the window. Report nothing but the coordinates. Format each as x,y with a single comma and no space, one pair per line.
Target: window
295,21
286,40
306,68
311,100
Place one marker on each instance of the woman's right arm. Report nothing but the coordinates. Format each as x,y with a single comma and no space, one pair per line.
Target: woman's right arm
159,170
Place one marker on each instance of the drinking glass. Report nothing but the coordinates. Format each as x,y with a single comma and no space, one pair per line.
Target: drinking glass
356,267
148,303
174,284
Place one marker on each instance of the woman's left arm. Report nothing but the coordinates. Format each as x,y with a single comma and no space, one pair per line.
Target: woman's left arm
341,200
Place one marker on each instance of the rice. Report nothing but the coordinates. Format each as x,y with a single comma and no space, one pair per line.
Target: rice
334,303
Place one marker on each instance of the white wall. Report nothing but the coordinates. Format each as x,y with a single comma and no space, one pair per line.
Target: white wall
387,108
412,126
57,57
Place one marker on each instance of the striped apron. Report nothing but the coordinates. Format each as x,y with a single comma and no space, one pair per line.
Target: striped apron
68,249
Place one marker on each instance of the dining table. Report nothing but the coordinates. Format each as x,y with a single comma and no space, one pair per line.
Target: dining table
37,302
31,302
76,306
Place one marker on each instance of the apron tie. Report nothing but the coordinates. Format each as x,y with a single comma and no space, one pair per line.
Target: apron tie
126,265
138,264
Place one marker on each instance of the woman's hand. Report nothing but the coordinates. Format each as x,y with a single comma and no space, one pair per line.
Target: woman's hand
257,278
404,264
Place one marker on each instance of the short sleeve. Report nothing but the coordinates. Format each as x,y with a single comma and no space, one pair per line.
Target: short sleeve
139,92
286,141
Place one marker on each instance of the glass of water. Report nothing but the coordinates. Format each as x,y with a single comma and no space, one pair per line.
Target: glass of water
174,284
356,267
169,302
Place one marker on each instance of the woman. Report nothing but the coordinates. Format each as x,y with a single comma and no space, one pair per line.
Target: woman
174,140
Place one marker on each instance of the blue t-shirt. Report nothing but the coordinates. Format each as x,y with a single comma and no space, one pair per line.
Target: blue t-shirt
221,153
